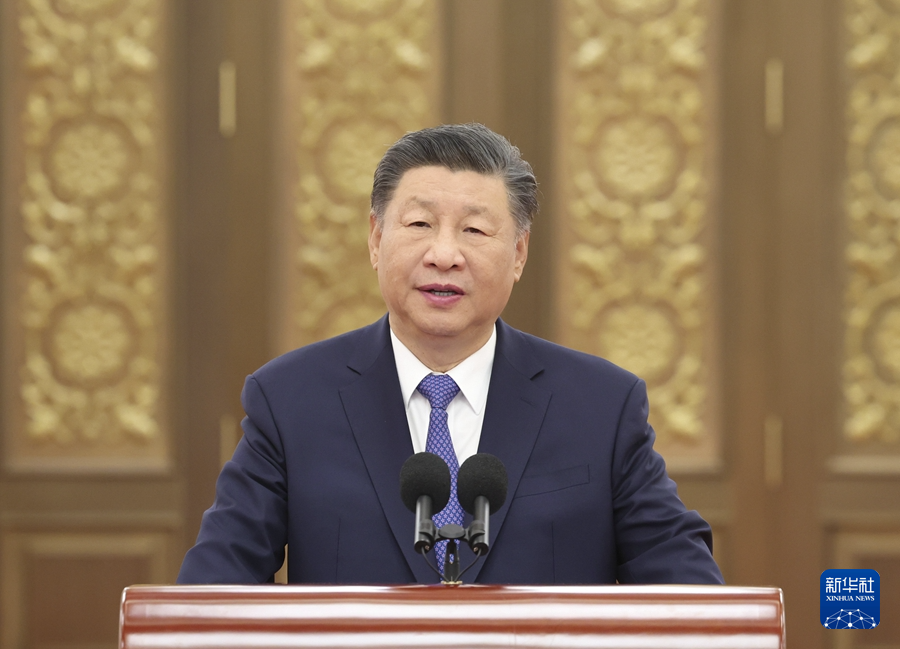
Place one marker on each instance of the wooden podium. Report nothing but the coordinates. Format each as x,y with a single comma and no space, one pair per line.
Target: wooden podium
525,617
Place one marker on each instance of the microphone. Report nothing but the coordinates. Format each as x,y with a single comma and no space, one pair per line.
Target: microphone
425,489
481,488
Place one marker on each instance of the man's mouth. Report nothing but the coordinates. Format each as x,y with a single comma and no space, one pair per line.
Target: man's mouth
442,291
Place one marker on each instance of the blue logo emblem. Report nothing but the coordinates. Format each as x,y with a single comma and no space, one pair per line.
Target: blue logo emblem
850,599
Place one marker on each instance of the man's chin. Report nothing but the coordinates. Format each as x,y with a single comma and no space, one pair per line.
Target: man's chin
443,330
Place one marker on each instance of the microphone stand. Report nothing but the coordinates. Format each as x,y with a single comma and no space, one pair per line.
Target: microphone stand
476,535
451,565
451,533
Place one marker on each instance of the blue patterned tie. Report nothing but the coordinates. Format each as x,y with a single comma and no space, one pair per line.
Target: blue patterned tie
440,389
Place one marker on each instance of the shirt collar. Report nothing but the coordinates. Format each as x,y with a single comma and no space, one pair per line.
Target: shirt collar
473,375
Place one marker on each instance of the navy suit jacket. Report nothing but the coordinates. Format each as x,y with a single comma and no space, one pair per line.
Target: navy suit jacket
326,435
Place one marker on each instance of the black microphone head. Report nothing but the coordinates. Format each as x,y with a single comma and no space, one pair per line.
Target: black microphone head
482,474
425,474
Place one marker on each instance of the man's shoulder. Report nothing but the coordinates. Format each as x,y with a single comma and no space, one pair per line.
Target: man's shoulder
554,359
333,356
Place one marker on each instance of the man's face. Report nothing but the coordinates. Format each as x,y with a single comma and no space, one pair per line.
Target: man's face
447,256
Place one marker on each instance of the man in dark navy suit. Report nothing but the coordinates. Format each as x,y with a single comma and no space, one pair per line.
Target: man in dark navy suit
329,425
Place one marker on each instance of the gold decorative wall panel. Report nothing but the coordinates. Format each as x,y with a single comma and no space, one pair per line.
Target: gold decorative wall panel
636,142
871,372
360,75
84,235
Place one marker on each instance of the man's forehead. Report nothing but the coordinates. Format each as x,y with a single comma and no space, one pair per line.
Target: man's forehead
422,198
416,201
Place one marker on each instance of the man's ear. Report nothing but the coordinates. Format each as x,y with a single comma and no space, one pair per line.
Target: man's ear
374,239
521,254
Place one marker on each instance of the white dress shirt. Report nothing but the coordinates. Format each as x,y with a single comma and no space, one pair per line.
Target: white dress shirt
465,414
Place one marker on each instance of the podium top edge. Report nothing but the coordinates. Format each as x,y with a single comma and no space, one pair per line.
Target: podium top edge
416,590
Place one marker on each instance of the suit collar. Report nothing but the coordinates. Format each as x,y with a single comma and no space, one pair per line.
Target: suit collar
518,351
369,345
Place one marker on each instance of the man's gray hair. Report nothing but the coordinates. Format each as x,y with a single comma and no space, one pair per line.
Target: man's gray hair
459,147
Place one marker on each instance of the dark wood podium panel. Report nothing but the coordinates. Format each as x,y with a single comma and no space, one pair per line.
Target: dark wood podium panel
570,617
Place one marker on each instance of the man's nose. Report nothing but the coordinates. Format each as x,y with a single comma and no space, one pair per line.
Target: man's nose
445,251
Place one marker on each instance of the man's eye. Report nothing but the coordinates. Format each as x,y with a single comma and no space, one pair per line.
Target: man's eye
474,230
419,224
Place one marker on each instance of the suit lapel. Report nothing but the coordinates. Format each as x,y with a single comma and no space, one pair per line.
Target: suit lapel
513,416
374,407
377,416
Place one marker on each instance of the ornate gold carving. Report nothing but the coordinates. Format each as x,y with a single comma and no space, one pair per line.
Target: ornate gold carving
349,153
891,5
871,376
884,159
91,302
640,9
83,8
636,286
89,343
364,73
637,157
640,337
88,161
365,10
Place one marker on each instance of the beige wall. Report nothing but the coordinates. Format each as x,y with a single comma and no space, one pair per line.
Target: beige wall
719,197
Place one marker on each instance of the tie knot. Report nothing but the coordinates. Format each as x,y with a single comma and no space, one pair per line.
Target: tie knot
439,389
